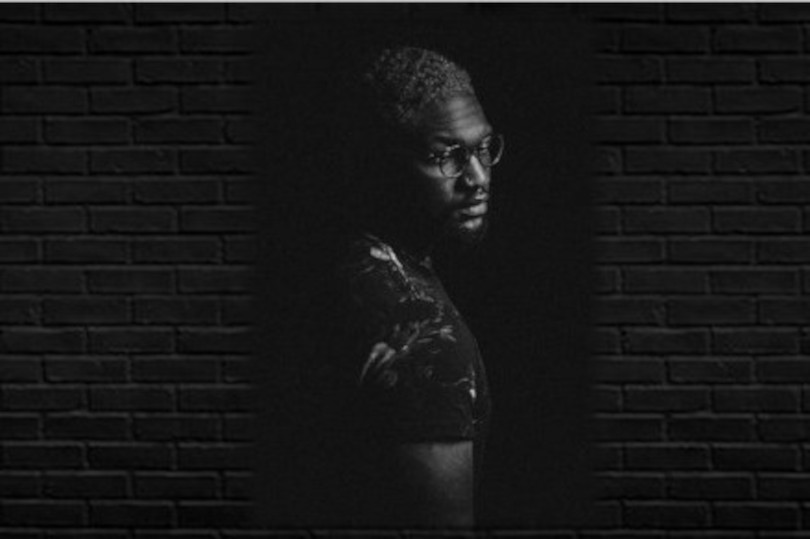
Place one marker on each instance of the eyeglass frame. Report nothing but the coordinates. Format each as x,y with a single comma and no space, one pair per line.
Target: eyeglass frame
439,156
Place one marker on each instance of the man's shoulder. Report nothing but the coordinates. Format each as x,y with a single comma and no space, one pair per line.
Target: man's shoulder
372,268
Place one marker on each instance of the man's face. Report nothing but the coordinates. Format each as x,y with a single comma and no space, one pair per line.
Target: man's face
455,208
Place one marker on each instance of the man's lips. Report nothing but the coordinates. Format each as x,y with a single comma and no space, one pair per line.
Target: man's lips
476,209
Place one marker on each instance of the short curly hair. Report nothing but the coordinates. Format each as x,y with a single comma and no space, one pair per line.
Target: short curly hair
402,81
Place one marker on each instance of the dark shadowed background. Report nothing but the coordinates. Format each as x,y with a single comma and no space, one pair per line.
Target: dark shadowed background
526,292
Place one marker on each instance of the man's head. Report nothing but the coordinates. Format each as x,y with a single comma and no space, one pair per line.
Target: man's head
434,144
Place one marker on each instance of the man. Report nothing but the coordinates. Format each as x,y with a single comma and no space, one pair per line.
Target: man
392,399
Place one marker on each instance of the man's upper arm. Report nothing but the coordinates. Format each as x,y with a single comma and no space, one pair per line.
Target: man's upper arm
436,481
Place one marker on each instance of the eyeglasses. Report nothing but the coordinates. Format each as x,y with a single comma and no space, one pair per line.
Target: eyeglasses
453,161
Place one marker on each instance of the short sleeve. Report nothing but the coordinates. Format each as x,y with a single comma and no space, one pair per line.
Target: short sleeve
411,359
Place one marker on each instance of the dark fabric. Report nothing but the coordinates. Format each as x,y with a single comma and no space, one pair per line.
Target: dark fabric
386,359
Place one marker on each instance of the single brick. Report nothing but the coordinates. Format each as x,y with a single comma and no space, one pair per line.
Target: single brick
20,70
629,311
665,220
702,251
666,341
662,39
128,456
783,191
667,456
19,131
667,161
69,191
131,340
668,515
175,369
16,39
759,515
39,340
717,486
132,41
20,369
757,99
665,399
89,13
760,39
756,220
711,131
43,100
784,130
745,457
711,429
142,100
172,486
756,399
85,310
783,13
755,161
622,370
218,40
85,250
774,69
179,130
216,161
92,427
783,487
18,250
85,485
173,310
131,399
76,132
721,13
95,370
175,191
752,281
659,281
755,341
707,191
23,160
15,484
41,279
711,311
784,311
140,220
710,371
176,250
165,427
24,513
622,250
19,310
133,161
127,513
42,398
42,455
667,100
85,72
123,281
43,220
178,71
179,13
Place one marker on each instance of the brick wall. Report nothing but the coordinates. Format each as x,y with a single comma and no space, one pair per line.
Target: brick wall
126,247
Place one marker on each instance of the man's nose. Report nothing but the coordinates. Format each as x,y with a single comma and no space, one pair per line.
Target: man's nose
476,175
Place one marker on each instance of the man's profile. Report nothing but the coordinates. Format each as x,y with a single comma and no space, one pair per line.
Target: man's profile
383,408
